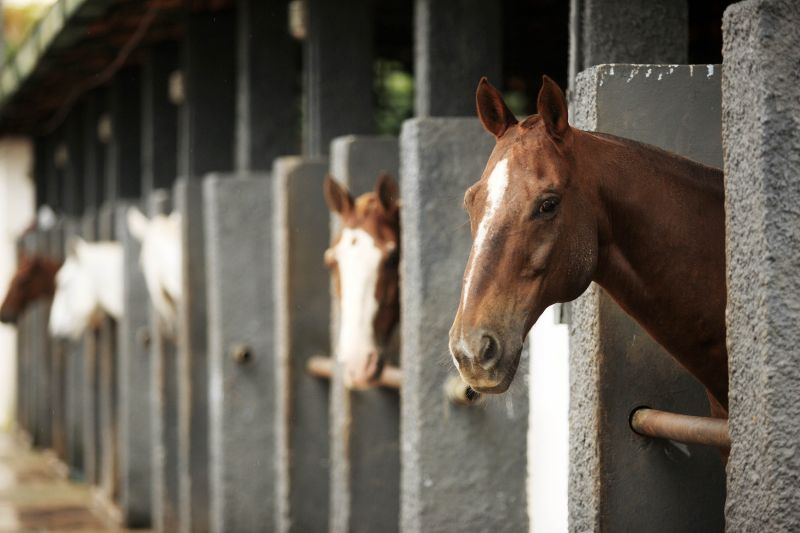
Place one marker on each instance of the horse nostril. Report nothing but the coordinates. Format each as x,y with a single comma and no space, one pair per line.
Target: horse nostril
489,352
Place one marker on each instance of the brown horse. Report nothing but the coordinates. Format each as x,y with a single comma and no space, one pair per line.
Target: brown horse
33,280
363,259
557,208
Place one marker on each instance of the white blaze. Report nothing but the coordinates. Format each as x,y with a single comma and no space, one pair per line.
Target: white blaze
358,257
498,183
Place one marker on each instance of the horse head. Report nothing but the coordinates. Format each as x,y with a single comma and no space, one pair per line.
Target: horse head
34,279
160,260
88,284
534,232
363,260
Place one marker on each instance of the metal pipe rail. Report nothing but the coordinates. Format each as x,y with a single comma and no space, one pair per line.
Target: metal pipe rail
682,428
321,366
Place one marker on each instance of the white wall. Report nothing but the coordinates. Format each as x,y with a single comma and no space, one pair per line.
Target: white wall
16,213
548,452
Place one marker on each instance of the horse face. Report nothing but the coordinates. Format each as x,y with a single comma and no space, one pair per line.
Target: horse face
364,261
75,302
534,238
160,260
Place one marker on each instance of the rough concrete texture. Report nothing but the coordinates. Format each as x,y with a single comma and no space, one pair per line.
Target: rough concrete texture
365,425
625,31
761,133
241,361
455,43
108,387
463,468
133,379
163,408
620,481
73,396
193,475
91,392
302,309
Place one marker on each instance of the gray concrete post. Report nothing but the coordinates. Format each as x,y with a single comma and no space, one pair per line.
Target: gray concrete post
267,118
133,382
365,425
620,481
463,468
625,31
302,305
205,143
91,393
163,410
456,42
760,114
338,72
241,359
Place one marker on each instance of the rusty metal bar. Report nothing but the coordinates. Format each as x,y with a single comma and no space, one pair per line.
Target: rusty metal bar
321,366
681,428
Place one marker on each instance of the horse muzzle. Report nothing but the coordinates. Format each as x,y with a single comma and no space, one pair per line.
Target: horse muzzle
486,363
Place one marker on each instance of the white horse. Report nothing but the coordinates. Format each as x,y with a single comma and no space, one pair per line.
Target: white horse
160,260
88,284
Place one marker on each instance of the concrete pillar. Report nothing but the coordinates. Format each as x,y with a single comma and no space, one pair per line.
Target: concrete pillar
159,129
463,468
760,113
302,305
107,363
456,42
267,118
59,351
338,60
365,425
74,393
133,381
43,360
205,141
625,31
241,358
163,410
620,481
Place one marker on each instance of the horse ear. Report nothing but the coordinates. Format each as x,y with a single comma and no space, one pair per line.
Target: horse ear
74,246
552,106
495,115
387,192
337,197
137,223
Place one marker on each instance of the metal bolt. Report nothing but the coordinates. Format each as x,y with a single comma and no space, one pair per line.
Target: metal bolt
241,353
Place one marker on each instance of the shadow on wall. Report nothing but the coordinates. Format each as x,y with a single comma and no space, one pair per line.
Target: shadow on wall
16,213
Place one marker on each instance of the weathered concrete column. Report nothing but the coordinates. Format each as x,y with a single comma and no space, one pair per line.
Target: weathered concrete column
456,42
163,409
620,481
205,141
365,425
625,31
133,382
761,113
267,118
463,468
301,313
241,356
338,72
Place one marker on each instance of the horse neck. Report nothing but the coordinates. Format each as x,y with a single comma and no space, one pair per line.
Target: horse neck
662,255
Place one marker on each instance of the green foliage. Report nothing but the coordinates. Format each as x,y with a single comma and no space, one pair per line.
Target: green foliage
394,96
18,21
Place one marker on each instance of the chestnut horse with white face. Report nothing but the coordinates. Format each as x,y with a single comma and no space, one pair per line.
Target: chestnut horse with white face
34,279
557,208
363,259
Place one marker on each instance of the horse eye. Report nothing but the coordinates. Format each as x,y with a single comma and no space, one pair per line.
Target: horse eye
548,206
